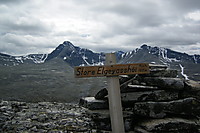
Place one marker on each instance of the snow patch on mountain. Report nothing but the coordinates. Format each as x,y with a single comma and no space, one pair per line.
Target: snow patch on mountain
195,59
36,58
85,59
182,72
19,59
163,52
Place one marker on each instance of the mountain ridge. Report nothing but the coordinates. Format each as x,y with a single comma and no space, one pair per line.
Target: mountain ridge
76,56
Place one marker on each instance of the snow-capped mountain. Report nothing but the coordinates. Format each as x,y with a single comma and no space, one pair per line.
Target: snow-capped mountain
8,60
76,56
188,65
157,55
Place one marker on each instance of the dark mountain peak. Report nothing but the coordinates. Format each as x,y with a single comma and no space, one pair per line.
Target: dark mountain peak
65,48
76,56
144,46
68,44
149,48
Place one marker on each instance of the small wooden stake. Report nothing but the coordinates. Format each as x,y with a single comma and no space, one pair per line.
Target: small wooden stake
114,96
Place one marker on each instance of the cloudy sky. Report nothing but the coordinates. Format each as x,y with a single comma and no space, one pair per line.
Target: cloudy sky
38,26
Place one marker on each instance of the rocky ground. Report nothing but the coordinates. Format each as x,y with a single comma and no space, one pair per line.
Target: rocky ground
43,117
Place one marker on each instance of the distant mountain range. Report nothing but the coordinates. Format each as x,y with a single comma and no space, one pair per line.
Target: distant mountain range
76,56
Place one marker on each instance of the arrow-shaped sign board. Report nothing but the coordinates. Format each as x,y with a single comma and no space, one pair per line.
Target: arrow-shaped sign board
111,70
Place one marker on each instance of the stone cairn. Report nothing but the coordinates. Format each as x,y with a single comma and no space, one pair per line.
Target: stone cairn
158,102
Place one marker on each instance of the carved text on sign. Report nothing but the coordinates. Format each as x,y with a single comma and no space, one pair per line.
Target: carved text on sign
111,70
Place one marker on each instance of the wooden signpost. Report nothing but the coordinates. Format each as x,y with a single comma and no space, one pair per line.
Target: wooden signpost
111,70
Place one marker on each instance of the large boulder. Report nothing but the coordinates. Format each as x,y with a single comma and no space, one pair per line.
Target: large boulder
186,107
192,89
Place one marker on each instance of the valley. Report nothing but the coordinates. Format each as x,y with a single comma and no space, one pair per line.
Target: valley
45,82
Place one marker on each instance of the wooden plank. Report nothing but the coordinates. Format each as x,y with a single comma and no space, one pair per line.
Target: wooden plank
111,70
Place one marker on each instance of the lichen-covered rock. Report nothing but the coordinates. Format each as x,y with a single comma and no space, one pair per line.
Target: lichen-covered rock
168,125
188,106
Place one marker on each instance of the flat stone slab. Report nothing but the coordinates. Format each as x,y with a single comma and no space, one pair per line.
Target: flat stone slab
129,88
157,95
135,88
192,85
192,89
165,83
169,125
187,106
162,73
154,67
93,104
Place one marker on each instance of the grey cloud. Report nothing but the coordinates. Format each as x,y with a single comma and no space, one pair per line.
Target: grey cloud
23,44
24,27
141,12
114,25
16,18
11,1
186,5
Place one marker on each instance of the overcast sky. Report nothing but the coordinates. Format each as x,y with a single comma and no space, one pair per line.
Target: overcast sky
38,26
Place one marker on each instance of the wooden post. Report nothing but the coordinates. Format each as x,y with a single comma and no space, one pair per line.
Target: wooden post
112,70
114,96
